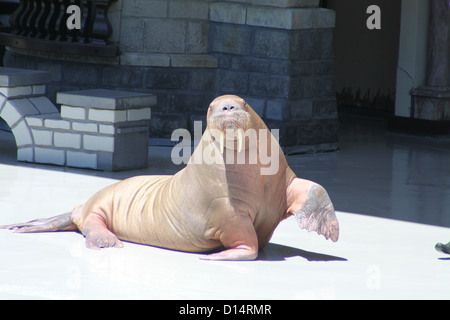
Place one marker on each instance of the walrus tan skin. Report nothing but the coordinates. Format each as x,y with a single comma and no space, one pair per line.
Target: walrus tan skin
228,210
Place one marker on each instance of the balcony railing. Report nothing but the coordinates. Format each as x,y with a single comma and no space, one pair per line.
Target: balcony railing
41,25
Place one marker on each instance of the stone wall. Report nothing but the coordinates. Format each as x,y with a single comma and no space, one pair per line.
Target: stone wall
277,54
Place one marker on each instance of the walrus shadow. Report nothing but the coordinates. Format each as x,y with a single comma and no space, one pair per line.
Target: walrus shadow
278,252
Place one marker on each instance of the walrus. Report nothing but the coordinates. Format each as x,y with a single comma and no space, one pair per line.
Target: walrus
224,209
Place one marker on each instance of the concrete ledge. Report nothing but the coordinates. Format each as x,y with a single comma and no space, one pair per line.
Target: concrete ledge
105,99
287,3
13,77
193,61
270,17
310,149
145,59
169,60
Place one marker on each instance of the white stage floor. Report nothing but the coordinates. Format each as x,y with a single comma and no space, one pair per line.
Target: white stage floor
394,177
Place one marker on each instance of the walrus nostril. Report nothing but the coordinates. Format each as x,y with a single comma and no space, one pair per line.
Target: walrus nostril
228,108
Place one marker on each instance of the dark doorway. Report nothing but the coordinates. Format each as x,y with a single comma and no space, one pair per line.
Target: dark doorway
366,60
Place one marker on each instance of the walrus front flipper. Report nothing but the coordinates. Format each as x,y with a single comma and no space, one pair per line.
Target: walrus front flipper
313,209
62,222
239,238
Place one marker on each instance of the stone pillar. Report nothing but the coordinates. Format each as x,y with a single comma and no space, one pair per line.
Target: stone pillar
432,101
438,45
278,55
109,129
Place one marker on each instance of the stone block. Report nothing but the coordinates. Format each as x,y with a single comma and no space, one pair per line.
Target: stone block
105,161
39,89
16,109
132,34
43,105
228,12
38,120
19,91
312,44
262,85
291,19
80,74
189,9
106,99
233,81
145,8
51,66
272,43
164,125
277,110
42,137
325,18
67,140
85,127
138,114
301,109
113,116
73,113
22,134
281,18
165,36
203,80
107,129
145,59
168,79
132,129
25,154
2,102
122,77
188,103
81,159
56,123
197,37
257,104
234,39
13,77
193,61
98,143
285,3
130,150
250,64
50,156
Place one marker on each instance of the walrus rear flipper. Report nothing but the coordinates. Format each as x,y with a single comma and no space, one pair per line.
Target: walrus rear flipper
62,222
317,214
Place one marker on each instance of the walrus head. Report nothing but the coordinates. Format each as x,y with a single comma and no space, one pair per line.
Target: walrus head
228,118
